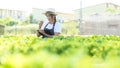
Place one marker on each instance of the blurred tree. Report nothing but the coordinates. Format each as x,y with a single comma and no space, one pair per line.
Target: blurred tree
112,10
12,22
8,21
71,29
2,22
32,20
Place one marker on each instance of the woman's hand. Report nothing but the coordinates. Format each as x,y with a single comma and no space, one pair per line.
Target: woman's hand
41,31
38,33
57,34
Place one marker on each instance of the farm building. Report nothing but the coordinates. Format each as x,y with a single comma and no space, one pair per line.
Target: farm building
101,19
15,14
101,25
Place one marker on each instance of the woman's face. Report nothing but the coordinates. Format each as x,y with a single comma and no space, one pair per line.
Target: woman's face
49,17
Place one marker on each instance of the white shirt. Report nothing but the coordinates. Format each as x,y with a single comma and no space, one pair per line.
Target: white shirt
57,27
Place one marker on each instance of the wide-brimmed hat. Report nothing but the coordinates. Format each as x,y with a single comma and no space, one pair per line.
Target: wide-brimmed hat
50,11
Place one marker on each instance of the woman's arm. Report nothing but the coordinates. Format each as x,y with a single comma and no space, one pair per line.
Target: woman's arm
40,24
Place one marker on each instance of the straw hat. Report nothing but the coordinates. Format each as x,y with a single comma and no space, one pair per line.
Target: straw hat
50,11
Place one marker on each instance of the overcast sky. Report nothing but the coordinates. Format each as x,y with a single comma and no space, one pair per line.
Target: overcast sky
60,5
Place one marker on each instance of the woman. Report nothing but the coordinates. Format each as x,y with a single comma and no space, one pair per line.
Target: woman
50,28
